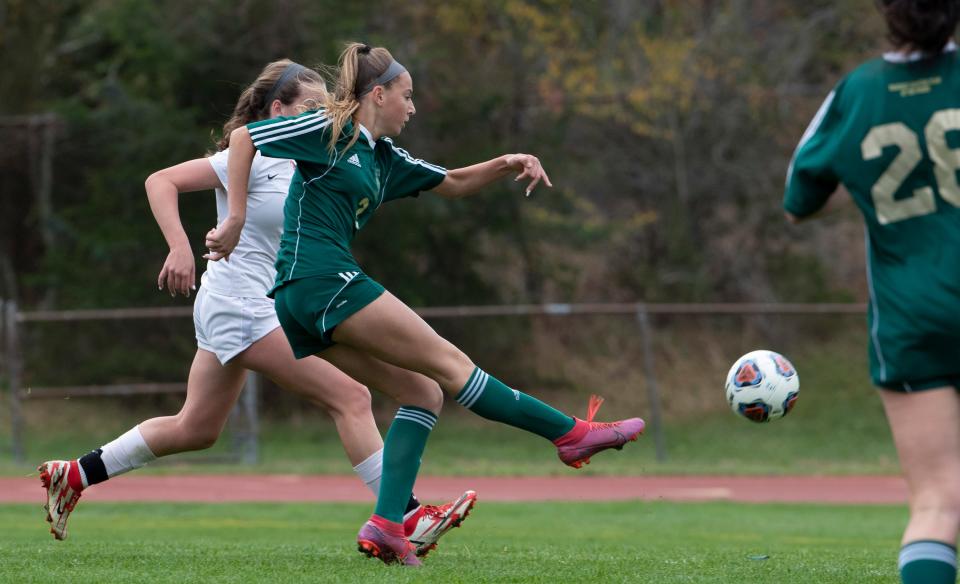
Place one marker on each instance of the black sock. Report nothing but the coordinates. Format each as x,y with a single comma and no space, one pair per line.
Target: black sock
93,468
412,504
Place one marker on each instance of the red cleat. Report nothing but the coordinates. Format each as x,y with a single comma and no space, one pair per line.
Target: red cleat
588,437
428,523
63,492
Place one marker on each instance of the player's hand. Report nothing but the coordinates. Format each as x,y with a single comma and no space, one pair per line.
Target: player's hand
530,168
179,272
222,239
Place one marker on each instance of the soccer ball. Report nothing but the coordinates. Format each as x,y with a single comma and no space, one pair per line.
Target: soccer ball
762,386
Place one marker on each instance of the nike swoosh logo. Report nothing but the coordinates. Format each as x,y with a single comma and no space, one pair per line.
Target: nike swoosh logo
271,176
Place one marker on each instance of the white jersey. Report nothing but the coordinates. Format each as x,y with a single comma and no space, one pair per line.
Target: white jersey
249,273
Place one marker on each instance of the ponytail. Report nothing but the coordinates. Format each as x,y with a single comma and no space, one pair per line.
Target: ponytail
359,65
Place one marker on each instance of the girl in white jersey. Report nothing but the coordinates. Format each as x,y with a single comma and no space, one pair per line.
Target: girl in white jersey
237,329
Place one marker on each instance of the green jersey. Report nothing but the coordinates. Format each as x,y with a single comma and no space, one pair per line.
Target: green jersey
333,195
890,133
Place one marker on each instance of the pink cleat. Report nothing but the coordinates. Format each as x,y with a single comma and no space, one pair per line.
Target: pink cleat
588,437
379,538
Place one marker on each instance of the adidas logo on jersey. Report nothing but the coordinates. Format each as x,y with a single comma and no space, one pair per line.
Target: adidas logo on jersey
354,160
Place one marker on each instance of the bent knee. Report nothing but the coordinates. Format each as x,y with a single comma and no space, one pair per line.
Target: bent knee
433,398
353,400
423,393
197,436
453,368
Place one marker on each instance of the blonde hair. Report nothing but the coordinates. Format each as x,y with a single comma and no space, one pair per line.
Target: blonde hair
359,65
252,104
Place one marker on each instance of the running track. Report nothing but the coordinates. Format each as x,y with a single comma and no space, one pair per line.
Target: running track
223,488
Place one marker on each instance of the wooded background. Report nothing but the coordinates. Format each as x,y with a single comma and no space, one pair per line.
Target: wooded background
666,127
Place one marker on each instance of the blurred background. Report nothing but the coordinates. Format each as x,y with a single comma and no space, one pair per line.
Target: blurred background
666,128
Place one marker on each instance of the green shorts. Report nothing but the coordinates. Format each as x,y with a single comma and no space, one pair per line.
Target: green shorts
932,383
310,308
915,357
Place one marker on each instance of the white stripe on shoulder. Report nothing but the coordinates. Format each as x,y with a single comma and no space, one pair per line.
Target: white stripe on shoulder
291,121
406,156
810,131
314,128
264,131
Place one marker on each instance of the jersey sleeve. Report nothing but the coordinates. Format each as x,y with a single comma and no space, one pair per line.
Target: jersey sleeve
304,137
811,177
408,176
218,161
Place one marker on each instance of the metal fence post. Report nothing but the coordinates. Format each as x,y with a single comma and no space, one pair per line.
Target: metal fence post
653,392
14,367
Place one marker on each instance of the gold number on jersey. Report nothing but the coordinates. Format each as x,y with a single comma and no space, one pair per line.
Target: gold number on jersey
889,209
946,163
362,206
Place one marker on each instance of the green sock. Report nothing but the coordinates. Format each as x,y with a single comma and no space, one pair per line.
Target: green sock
402,450
486,396
928,562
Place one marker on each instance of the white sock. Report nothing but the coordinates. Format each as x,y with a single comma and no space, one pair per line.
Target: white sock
370,471
126,453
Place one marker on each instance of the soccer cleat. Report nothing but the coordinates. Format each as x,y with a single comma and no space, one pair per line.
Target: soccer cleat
588,437
62,497
430,522
379,538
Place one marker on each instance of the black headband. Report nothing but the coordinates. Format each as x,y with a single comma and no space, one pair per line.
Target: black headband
393,70
290,71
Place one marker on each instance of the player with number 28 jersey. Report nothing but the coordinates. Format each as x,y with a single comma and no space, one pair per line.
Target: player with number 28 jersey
890,133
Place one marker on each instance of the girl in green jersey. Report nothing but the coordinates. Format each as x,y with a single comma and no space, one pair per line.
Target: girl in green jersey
237,328
887,132
347,167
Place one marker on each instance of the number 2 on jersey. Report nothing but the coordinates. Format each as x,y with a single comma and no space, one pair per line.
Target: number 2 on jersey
946,162
361,207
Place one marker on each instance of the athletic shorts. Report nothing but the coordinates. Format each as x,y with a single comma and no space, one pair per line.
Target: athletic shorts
310,308
914,356
227,325
923,384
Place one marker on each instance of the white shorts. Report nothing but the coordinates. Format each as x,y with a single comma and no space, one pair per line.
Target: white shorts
227,326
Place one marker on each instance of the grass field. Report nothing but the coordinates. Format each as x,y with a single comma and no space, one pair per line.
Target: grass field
622,542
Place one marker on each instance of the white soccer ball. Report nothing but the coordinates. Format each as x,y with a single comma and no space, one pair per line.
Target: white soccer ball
762,386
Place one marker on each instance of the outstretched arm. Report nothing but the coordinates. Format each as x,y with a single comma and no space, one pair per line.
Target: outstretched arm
163,187
461,182
222,239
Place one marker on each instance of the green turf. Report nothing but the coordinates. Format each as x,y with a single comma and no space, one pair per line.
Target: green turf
596,542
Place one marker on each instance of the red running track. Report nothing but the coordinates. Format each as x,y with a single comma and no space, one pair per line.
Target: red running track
222,488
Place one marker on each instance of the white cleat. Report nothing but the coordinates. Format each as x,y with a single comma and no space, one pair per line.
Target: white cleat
433,521
61,497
